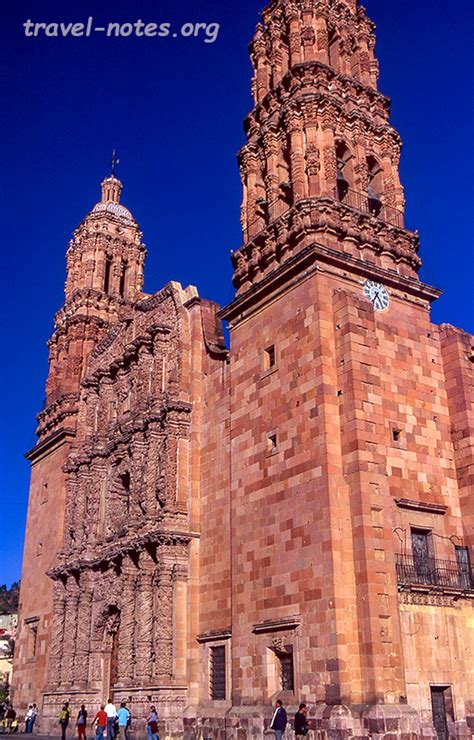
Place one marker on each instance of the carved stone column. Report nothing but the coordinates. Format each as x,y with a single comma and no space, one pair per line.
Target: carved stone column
298,174
144,636
312,148
126,647
57,635
70,633
83,636
260,64
272,151
163,668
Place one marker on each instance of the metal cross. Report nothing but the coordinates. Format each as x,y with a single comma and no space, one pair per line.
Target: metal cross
115,162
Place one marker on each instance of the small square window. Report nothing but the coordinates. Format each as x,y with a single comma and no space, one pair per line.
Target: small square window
272,443
269,357
397,435
44,493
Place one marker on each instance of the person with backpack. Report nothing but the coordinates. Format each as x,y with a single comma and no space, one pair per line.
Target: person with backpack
81,723
64,715
301,722
279,720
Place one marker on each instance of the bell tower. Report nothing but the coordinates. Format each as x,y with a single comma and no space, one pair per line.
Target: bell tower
321,161
105,261
327,289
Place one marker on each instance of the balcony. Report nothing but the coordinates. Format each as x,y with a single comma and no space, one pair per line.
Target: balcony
371,206
434,573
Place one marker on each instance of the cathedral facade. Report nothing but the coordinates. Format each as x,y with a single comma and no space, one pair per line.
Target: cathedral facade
210,529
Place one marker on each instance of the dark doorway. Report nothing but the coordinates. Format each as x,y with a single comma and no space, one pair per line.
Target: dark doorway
464,567
421,555
438,706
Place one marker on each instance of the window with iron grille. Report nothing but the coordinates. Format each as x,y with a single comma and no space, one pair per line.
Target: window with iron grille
287,672
217,672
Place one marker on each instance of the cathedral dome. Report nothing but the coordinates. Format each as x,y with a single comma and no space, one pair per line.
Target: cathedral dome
110,205
114,209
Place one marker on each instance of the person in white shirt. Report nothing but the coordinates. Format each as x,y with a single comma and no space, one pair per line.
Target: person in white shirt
111,713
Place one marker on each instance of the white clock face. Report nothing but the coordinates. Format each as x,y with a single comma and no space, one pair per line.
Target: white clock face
377,294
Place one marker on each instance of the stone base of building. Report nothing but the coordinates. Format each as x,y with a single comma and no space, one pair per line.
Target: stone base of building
222,721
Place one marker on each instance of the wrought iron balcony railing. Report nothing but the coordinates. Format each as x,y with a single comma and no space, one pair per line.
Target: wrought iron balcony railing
372,206
274,210
434,572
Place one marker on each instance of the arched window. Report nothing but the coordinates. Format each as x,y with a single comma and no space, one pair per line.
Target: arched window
333,50
344,174
122,278
375,185
107,273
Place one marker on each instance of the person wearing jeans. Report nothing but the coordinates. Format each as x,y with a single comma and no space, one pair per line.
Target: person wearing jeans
111,713
123,717
279,720
101,721
64,715
152,724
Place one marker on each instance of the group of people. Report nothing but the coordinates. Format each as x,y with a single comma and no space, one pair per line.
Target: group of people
10,721
280,721
108,720
116,723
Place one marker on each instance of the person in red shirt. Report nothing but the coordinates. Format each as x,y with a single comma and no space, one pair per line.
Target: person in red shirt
101,722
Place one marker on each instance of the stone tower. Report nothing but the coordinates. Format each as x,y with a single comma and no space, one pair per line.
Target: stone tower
104,275
334,459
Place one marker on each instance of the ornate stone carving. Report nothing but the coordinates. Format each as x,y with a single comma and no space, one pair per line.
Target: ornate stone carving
312,160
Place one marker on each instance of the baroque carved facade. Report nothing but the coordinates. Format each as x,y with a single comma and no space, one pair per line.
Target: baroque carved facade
209,529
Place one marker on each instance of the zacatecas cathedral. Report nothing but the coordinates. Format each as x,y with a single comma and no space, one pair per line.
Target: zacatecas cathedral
211,529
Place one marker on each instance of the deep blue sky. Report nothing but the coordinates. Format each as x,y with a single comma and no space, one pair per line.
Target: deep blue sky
173,109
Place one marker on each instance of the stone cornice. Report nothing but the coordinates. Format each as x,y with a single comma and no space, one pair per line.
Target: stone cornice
45,446
323,216
87,298
62,407
215,635
276,625
426,506
114,551
301,264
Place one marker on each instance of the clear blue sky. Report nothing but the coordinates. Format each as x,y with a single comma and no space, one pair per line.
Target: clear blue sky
173,108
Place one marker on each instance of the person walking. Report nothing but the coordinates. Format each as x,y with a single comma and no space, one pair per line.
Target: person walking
111,713
301,722
64,715
152,724
100,720
81,723
123,717
279,720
